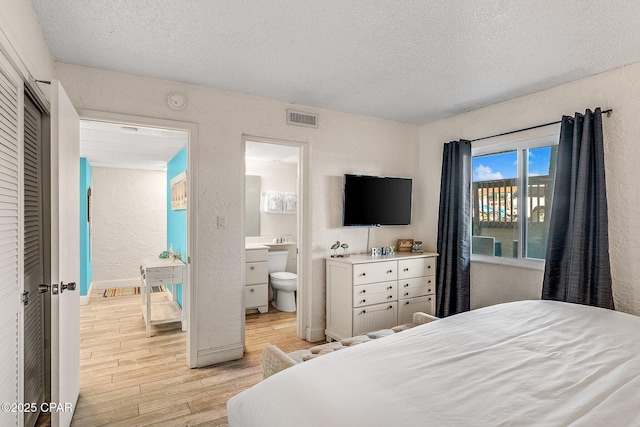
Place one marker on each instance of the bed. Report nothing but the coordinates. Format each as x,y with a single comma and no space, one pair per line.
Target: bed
523,363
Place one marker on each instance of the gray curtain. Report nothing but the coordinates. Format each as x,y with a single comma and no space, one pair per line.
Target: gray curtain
577,265
454,232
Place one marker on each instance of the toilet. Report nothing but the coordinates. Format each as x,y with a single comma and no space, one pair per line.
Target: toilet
284,284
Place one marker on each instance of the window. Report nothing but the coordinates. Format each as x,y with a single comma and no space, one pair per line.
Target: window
512,190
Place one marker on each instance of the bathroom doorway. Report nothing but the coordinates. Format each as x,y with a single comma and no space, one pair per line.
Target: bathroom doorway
274,212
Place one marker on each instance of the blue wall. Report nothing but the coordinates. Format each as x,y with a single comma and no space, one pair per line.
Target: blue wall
85,242
177,220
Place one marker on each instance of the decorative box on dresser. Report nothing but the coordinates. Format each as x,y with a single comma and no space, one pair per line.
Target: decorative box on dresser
256,277
367,293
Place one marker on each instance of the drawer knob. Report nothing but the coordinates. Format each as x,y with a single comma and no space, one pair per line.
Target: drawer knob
429,290
363,301
406,285
407,303
364,291
429,298
406,269
428,266
406,294
390,297
363,274
389,271
363,312
251,290
252,268
389,307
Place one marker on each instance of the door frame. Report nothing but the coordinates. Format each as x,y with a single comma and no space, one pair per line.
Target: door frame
190,289
304,308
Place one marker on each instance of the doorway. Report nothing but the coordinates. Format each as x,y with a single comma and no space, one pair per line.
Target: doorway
133,163
274,173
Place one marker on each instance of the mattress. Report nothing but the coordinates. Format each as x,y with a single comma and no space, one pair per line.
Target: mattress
524,363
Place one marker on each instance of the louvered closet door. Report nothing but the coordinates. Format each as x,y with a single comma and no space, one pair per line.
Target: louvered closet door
33,262
11,96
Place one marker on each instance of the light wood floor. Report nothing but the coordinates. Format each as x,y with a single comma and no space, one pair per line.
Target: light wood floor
130,380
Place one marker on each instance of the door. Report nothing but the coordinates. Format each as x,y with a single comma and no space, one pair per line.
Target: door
34,350
11,243
65,254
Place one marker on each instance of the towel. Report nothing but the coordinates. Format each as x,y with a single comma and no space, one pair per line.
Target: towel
290,203
273,201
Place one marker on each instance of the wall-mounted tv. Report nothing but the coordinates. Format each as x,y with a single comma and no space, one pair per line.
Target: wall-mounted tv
376,200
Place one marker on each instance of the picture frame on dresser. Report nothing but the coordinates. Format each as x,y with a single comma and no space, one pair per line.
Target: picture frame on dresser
404,245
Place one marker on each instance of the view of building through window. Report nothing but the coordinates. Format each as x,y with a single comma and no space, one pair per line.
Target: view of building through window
511,197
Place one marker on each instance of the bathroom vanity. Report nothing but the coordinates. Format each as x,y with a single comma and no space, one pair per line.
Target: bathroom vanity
256,277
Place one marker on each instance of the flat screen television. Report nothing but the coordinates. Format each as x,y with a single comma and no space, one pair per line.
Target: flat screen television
376,200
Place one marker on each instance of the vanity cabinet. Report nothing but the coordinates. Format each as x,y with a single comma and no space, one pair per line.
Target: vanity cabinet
256,278
365,293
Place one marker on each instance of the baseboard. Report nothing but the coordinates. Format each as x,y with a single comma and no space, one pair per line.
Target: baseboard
118,283
84,299
219,355
314,334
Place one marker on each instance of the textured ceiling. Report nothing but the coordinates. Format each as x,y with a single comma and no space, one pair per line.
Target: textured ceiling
413,61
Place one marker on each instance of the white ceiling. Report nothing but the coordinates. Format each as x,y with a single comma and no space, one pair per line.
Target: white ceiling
111,145
413,61
265,152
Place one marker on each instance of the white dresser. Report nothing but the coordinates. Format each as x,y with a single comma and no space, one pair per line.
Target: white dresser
367,293
256,277
157,272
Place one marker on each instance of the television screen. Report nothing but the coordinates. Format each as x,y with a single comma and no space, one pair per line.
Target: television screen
376,200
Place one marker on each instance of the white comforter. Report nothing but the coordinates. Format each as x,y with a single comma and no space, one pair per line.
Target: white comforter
525,363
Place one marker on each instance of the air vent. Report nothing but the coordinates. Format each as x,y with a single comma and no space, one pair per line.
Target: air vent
299,118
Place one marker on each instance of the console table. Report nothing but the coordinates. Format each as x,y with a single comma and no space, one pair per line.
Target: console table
157,272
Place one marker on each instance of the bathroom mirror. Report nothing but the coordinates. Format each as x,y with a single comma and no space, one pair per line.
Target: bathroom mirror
252,205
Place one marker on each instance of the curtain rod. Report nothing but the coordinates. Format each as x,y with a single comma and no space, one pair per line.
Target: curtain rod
607,112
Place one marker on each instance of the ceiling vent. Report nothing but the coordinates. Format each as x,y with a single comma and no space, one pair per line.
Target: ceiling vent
298,118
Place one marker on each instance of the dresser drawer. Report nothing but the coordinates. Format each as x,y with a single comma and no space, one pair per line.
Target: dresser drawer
413,292
428,282
374,318
416,267
364,300
374,288
256,273
406,308
256,255
256,296
374,272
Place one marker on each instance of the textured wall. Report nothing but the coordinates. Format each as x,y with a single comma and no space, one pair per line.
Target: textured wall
129,220
342,143
618,89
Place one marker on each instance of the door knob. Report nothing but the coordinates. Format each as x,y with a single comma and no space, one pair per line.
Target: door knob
71,286
44,288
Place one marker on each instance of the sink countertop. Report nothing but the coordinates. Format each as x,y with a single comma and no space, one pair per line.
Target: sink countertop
253,246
